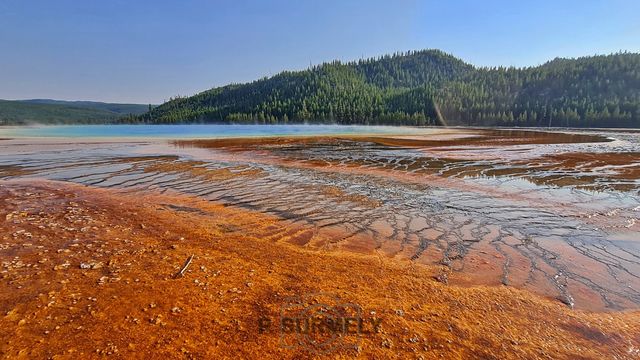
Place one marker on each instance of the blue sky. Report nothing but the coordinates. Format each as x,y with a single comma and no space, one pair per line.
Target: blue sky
148,51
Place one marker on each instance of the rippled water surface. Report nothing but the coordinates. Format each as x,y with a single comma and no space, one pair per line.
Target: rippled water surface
555,213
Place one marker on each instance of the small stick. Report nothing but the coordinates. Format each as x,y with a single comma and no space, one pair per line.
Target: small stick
184,267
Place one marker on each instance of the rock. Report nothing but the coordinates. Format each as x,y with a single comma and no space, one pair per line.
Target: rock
157,320
442,277
91,265
567,300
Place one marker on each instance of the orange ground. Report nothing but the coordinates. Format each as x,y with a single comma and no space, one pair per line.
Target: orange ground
88,273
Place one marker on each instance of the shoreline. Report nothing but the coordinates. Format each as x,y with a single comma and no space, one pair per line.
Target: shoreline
402,131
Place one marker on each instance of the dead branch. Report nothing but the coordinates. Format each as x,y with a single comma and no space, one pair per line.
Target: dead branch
184,268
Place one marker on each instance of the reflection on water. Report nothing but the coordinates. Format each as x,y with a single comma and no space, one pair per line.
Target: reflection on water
553,213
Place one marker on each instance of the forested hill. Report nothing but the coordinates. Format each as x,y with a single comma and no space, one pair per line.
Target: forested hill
425,88
46,111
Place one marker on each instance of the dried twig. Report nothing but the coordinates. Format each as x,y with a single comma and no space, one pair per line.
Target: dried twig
184,268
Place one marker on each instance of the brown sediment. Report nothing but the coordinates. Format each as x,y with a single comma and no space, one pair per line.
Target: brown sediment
199,169
88,272
440,138
245,143
13,171
341,195
131,159
488,138
617,165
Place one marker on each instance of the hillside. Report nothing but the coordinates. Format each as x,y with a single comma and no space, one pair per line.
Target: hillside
123,109
44,111
425,88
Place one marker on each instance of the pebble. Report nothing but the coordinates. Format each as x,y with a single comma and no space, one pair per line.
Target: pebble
91,265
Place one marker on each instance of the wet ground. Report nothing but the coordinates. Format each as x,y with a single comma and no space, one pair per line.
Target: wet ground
98,273
554,213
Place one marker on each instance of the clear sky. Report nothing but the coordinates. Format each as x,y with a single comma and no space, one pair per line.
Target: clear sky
147,51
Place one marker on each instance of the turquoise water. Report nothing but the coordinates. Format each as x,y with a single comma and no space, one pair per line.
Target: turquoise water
195,131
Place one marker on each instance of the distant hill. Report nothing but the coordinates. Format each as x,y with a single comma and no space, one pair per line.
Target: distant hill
425,88
123,109
45,111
